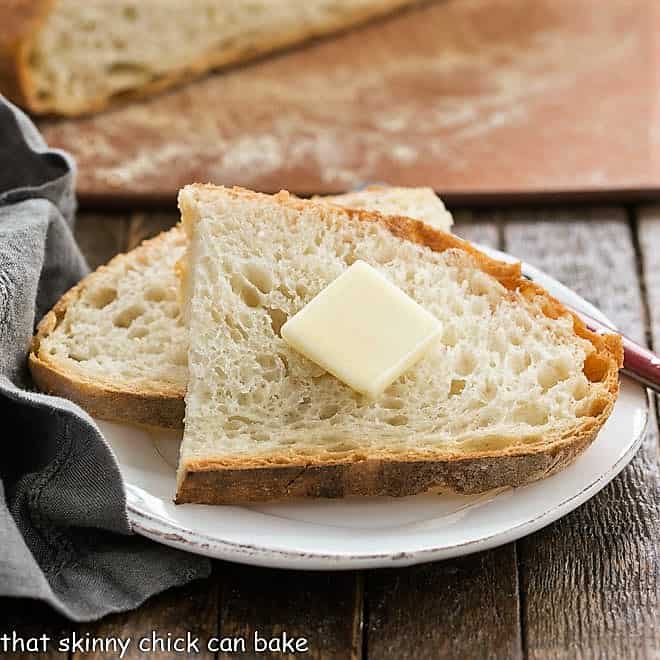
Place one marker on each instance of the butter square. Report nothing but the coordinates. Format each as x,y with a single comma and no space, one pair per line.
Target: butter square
363,330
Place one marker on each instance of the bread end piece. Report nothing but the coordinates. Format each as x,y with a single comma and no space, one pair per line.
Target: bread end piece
161,405
117,69
21,20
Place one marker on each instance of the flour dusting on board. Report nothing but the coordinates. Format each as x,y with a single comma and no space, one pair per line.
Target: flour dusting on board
452,98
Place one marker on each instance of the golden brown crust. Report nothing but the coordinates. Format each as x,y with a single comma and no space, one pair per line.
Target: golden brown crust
205,484
19,23
14,61
232,481
163,407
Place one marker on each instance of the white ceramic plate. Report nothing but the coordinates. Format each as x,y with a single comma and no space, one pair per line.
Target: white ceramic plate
370,532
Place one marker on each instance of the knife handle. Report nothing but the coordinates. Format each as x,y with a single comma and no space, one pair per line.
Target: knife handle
640,363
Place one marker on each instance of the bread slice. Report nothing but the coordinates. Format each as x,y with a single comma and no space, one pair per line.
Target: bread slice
514,391
115,343
71,57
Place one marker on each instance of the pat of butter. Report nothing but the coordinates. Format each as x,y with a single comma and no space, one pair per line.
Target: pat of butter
362,329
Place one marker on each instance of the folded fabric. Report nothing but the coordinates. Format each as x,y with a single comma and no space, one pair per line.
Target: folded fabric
65,534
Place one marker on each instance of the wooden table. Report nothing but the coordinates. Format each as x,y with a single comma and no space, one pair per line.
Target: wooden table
585,587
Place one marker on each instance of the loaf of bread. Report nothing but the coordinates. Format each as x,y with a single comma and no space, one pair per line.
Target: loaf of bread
115,343
515,389
72,56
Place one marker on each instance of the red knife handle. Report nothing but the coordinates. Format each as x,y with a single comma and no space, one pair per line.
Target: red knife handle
640,363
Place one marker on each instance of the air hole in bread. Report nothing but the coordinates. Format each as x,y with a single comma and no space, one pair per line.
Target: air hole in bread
342,447
285,291
392,403
266,361
285,363
277,319
128,315
155,294
247,291
237,333
301,291
595,368
328,411
258,276
397,420
137,332
130,13
456,387
515,338
102,297
127,69
235,423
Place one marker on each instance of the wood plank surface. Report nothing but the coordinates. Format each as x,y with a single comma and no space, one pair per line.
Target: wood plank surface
459,608
101,236
649,243
185,613
461,96
323,608
590,581
29,619
142,226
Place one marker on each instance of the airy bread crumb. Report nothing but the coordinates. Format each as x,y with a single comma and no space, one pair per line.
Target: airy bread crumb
116,343
512,375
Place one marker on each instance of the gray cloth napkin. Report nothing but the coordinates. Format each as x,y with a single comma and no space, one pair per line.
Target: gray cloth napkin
65,537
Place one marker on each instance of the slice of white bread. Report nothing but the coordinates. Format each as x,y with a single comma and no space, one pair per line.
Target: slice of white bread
115,343
73,56
514,391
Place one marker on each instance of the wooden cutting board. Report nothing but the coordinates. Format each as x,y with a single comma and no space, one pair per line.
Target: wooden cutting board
480,99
